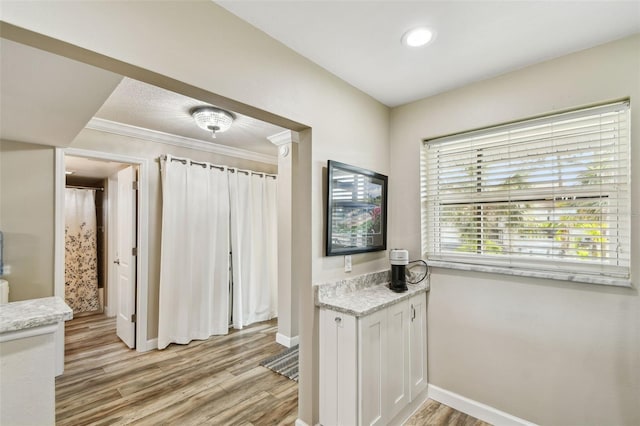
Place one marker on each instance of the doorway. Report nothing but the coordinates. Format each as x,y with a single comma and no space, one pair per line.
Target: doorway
86,215
123,211
100,237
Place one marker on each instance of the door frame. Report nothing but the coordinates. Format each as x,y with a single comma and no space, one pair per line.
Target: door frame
142,260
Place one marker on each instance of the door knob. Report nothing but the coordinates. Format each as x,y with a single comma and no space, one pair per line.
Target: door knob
117,261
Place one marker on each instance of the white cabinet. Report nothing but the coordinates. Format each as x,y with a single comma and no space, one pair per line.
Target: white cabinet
373,364
338,367
418,344
371,367
398,350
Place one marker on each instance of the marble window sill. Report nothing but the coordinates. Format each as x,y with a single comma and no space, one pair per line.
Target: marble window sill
550,275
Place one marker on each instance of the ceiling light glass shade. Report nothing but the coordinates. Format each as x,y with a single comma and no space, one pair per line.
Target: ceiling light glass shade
417,37
212,119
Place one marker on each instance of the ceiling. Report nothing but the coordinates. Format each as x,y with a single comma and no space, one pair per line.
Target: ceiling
142,105
359,41
90,168
52,107
47,108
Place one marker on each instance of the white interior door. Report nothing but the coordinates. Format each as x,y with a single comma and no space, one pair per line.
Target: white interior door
125,260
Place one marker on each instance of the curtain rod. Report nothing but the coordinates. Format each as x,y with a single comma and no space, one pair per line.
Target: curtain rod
213,166
184,161
85,187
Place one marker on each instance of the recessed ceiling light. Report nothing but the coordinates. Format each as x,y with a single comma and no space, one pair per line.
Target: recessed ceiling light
417,37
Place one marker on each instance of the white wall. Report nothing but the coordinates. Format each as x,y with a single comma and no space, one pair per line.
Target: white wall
287,294
248,69
550,352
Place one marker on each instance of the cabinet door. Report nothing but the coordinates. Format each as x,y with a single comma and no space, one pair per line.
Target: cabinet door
398,382
372,338
418,343
338,380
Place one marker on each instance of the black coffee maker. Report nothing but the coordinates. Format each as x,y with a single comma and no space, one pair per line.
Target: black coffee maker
399,259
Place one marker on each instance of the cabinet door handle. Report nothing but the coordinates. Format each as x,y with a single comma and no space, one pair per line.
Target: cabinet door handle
413,313
338,320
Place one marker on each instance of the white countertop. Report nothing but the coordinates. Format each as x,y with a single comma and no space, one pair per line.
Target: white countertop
368,300
25,314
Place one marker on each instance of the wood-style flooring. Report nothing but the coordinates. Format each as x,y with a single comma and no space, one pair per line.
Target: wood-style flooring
212,382
433,413
217,381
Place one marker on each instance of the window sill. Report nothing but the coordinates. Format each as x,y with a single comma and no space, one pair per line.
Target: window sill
562,276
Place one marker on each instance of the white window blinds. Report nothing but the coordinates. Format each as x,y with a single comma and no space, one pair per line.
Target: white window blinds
549,194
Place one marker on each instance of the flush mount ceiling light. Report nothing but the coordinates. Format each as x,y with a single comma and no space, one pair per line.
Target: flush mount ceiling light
212,119
417,37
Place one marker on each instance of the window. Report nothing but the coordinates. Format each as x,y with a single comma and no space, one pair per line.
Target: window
547,197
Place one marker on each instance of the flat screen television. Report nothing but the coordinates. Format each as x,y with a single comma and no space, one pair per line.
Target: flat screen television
356,218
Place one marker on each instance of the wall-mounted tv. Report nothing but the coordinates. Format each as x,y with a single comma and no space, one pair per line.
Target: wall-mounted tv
356,219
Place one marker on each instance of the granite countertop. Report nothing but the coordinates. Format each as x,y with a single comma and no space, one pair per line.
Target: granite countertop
368,300
33,313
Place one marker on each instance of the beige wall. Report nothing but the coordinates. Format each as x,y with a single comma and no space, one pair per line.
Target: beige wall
550,352
347,125
253,70
26,218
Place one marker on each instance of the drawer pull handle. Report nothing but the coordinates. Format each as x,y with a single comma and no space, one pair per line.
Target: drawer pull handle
338,320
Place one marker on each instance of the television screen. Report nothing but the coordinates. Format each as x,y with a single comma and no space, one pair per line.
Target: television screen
356,210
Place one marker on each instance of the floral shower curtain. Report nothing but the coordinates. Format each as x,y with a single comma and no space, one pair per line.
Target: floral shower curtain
81,264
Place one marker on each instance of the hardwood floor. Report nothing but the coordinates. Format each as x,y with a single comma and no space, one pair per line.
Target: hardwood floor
212,382
433,413
217,381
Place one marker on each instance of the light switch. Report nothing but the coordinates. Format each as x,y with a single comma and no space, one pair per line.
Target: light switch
347,263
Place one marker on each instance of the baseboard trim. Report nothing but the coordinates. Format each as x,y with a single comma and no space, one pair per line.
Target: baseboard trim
474,408
286,341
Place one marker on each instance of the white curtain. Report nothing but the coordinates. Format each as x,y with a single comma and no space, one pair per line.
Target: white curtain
194,272
254,247
81,252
